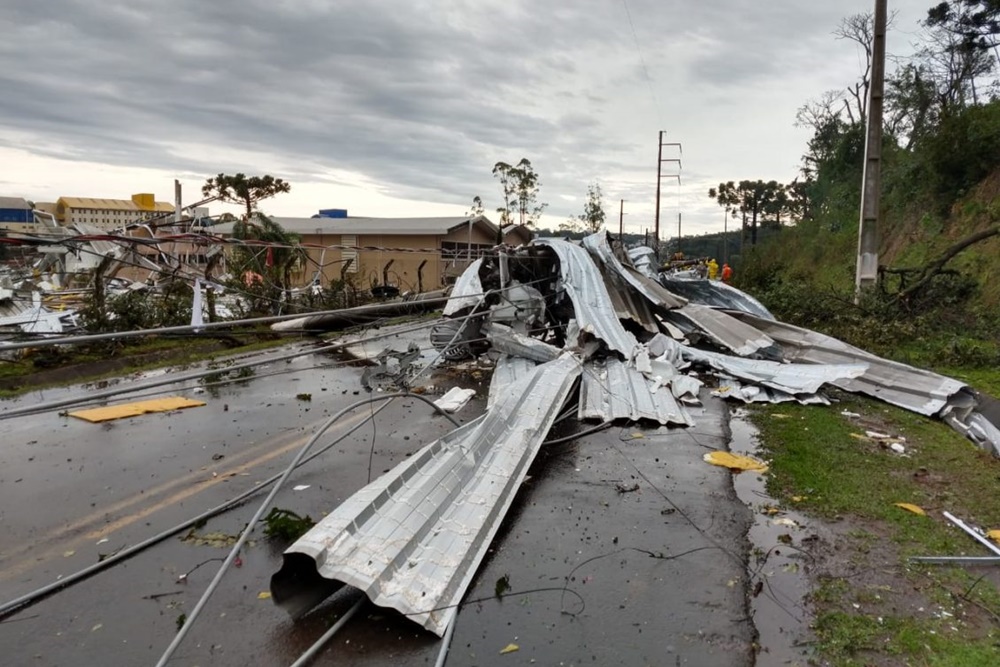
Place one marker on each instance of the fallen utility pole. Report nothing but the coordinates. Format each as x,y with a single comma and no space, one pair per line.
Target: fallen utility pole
373,309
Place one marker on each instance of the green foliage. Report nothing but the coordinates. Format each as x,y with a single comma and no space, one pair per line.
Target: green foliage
132,310
964,149
263,272
286,524
243,189
519,184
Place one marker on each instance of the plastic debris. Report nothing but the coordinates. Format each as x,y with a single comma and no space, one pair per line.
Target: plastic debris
734,461
909,507
994,535
455,399
264,595
898,448
509,648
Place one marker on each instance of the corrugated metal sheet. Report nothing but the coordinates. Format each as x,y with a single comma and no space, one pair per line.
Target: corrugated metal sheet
468,290
597,245
716,294
644,260
507,372
788,378
594,310
505,339
629,304
899,384
720,327
749,393
611,390
412,540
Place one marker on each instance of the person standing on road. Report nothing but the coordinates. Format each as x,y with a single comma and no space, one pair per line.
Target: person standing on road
727,274
713,269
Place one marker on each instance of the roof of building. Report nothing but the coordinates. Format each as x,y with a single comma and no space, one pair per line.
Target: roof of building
111,204
384,226
14,202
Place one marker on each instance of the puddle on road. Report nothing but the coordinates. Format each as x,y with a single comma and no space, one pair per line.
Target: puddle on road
778,582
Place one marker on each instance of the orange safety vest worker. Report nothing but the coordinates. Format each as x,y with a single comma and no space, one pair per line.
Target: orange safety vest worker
727,273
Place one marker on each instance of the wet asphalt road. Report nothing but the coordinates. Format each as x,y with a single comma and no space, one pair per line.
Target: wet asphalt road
656,557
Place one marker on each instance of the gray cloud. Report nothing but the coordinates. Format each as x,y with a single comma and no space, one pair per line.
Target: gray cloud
419,97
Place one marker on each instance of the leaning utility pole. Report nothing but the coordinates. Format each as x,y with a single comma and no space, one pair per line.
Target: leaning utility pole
659,177
868,240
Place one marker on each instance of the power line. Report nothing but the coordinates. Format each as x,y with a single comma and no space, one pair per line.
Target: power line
642,60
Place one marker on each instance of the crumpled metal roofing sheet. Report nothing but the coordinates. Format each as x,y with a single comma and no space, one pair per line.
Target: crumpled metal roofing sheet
725,330
505,339
899,384
507,371
629,304
597,245
716,294
468,290
584,284
643,259
753,394
788,378
412,540
612,390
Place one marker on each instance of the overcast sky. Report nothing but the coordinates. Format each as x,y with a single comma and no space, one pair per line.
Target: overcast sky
401,107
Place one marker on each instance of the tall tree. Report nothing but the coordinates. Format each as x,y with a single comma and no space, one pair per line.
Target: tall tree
519,184
477,207
243,189
976,22
750,200
593,215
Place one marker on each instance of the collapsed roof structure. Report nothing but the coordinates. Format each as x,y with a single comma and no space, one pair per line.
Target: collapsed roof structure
555,316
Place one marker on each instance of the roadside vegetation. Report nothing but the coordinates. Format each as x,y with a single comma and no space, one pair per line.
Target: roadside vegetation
872,605
936,306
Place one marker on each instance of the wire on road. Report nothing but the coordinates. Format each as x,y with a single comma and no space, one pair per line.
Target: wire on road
193,616
328,635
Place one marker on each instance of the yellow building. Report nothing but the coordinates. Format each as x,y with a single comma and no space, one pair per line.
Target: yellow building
110,214
413,254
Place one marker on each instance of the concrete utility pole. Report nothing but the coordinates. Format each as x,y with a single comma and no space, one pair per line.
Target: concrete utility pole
868,239
178,215
659,177
621,218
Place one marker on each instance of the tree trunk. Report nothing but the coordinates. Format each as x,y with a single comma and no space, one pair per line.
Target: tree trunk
931,269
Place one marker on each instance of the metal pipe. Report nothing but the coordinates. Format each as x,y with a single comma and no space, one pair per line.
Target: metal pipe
35,595
972,532
328,635
446,643
91,338
241,540
966,560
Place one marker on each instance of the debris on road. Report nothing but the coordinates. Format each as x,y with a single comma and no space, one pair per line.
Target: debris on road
455,399
735,462
125,410
552,315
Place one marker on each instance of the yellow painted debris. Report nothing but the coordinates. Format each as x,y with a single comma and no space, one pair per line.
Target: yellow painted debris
912,508
111,412
509,648
994,535
264,595
734,461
